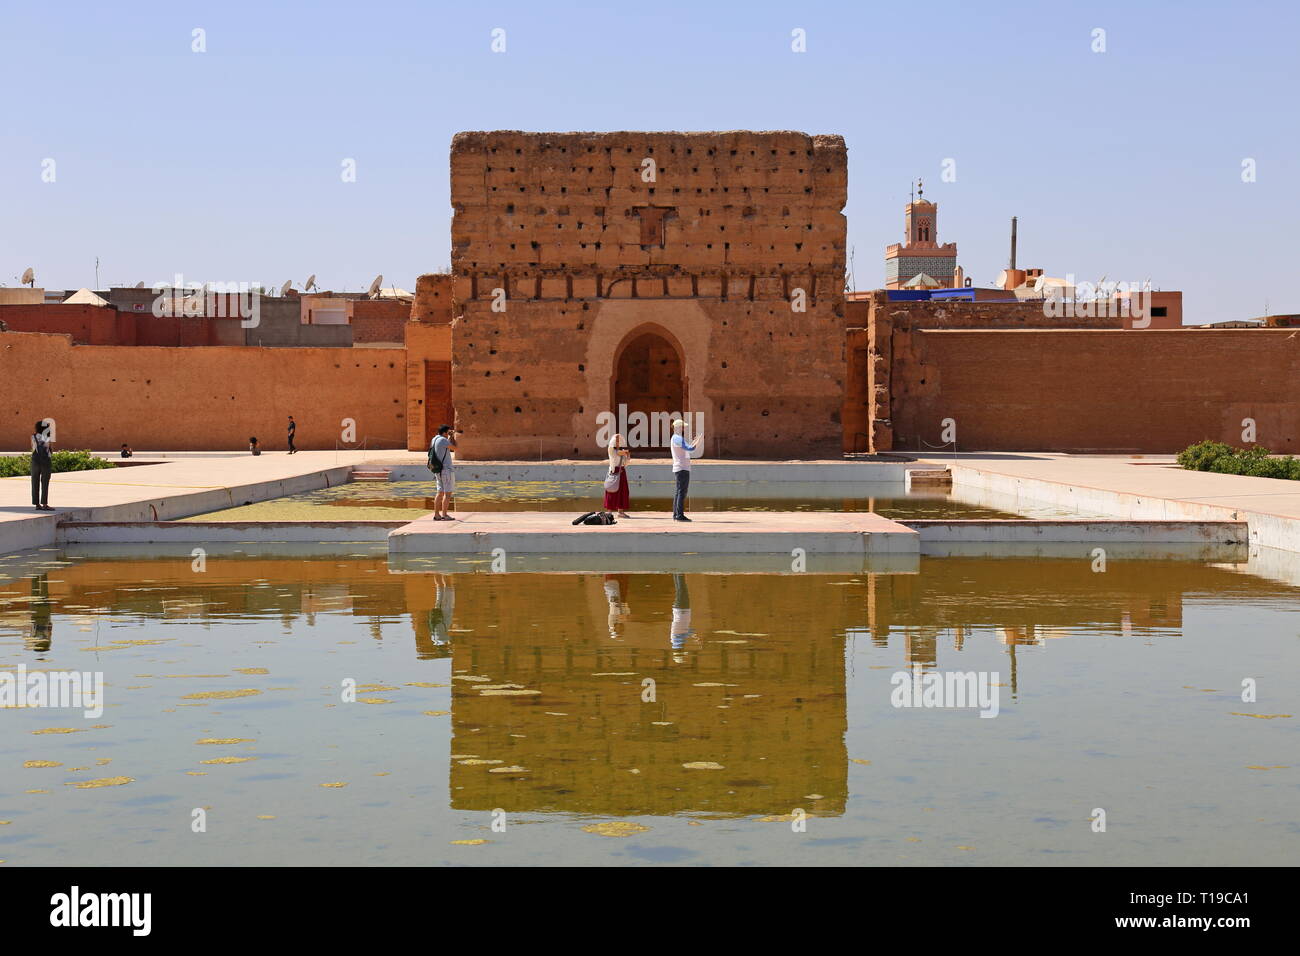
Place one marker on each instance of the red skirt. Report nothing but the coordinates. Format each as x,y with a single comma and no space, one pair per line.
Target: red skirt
618,499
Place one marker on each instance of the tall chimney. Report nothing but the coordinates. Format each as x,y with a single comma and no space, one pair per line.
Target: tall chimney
1013,242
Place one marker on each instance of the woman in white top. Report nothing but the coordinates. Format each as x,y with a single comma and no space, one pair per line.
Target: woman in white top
619,455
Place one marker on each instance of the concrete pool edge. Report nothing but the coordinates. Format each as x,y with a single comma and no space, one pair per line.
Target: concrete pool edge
741,532
718,532
1280,531
198,532
174,489
1079,530
195,487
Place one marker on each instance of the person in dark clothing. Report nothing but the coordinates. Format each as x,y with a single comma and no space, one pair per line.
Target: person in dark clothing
292,428
254,447
126,451
42,633
42,467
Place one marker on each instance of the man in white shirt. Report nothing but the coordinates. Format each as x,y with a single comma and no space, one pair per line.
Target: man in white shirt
681,450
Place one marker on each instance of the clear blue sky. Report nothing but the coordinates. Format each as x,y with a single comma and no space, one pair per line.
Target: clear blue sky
225,165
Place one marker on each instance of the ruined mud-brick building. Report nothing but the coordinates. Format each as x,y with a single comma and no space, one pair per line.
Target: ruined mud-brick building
661,272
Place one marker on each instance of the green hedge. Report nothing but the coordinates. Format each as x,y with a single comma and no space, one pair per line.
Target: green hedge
13,465
1225,460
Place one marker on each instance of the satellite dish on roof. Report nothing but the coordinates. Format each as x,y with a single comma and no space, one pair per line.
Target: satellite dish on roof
29,277
284,289
139,285
1003,276
375,286
310,283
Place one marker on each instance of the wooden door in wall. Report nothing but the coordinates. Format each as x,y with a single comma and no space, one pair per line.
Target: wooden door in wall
438,409
649,380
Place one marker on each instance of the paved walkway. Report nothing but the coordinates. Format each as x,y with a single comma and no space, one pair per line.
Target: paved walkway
1150,487
1137,488
164,491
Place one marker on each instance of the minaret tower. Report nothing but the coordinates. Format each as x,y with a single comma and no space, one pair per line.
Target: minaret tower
921,262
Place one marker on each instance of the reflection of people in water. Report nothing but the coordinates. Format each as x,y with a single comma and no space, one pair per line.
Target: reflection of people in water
443,606
616,589
680,631
42,636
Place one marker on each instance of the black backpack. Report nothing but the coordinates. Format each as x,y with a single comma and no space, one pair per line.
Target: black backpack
596,517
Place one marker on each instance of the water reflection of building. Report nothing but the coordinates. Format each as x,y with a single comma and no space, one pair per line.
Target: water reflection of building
757,684
760,693
1024,601
287,589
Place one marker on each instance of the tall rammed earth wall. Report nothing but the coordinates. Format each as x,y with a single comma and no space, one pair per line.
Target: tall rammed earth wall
567,246
882,354
1075,390
188,399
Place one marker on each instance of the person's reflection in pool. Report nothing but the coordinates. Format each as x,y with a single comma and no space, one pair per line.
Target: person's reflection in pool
444,605
616,591
42,634
680,631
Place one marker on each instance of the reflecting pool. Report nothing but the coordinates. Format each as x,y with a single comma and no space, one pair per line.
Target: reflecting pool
331,709
412,499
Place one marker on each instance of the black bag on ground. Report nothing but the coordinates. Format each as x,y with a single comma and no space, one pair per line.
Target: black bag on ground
596,517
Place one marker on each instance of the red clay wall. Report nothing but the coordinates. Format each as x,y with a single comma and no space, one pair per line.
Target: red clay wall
87,324
590,252
99,325
194,399
891,328
428,354
433,300
1097,390
380,320
858,381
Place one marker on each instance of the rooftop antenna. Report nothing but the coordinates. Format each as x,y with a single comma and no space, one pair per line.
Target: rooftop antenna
310,283
375,286
29,277
1012,266
96,272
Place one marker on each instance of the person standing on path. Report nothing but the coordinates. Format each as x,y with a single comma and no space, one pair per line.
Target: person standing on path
441,463
620,498
293,427
42,466
681,450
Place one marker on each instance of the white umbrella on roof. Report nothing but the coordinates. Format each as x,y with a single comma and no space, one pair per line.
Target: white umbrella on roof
85,297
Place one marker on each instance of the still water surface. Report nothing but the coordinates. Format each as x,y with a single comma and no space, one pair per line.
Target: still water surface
411,499
527,693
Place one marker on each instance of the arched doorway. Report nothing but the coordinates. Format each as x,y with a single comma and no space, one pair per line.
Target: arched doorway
648,379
